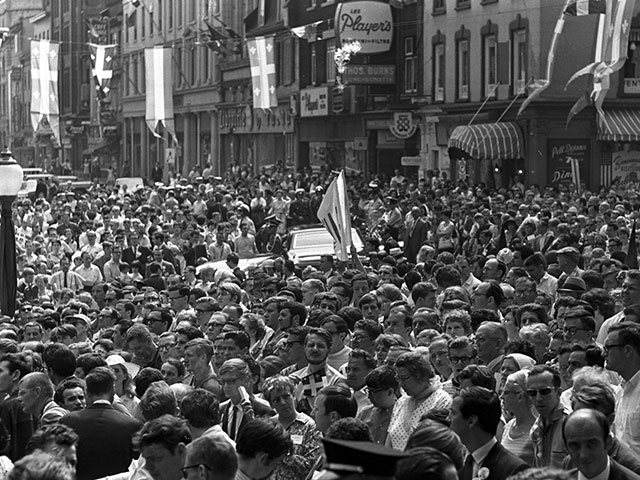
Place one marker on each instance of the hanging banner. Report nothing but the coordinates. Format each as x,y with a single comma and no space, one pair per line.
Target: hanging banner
263,72
101,59
44,85
368,23
159,97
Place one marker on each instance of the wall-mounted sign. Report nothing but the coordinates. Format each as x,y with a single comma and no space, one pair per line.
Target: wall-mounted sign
369,23
562,153
403,126
314,102
247,120
625,166
370,74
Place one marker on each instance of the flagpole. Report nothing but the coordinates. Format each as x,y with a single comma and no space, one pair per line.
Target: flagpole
495,87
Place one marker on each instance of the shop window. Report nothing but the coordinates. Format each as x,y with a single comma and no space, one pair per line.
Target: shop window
631,70
438,72
519,61
462,69
410,75
490,65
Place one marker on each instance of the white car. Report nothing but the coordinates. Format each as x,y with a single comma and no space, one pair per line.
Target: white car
308,243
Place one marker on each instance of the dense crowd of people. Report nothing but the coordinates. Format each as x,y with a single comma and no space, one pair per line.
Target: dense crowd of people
480,334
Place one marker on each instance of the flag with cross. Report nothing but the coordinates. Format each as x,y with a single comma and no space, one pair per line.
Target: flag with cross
263,72
44,85
101,60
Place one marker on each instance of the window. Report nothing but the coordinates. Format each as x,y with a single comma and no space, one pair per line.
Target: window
160,15
143,19
410,80
205,64
169,14
519,61
463,4
631,79
134,73
331,61
311,4
178,13
151,22
439,6
193,64
438,72
285,62
463,69
314,65
177,67
490,65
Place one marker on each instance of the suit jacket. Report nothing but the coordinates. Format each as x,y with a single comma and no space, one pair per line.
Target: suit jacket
618,472
104,445
260,408
500,462
143,254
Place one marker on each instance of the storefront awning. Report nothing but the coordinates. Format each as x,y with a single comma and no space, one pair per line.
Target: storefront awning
619,125
493,141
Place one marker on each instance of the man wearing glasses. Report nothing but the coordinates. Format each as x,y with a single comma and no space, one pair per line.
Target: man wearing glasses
462,352
622,355
543,387
210,457
579,326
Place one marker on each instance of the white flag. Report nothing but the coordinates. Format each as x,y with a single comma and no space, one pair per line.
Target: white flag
159,96
334,213
44,85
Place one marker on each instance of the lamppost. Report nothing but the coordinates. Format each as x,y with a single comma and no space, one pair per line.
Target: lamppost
10,184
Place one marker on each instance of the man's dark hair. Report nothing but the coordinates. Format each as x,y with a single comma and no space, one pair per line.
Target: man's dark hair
480,376
89,361
297,309
190,332
349,428
240,338
100,381
55,433
484,404
60,359
338,398
370,326
146,377
16,361
628,334
166,430
424,462
368,359
381,378
200,408
263,436
540,369
68,384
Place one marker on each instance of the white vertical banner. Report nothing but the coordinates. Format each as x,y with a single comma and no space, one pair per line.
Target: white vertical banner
44,85
159,96
263,71
334,215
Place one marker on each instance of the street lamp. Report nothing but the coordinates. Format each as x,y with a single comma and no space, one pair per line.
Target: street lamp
10,184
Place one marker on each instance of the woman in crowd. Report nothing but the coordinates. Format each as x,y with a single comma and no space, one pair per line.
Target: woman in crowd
516,403
423,392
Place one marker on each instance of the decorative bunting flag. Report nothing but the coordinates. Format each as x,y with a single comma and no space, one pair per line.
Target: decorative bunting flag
44,85
129,11
159,97
263,72
610,55
101,59
571,8
334,215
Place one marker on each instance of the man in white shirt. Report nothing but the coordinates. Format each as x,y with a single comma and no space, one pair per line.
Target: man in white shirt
89,272
622,354
630,296
536,266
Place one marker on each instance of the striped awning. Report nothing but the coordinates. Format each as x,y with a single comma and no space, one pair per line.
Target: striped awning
619,125
493,141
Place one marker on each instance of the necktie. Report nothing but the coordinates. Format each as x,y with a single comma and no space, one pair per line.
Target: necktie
467,470
234,419
64,275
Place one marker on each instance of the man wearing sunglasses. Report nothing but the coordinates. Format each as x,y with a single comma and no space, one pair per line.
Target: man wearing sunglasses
543,387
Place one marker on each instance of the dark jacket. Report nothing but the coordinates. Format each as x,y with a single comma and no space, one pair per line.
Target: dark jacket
260,409
618,472
500,462
104,445
618,452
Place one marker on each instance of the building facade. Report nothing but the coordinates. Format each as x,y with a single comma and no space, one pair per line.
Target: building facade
481,57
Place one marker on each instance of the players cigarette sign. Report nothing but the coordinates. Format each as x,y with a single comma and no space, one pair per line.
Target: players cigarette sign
369,23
